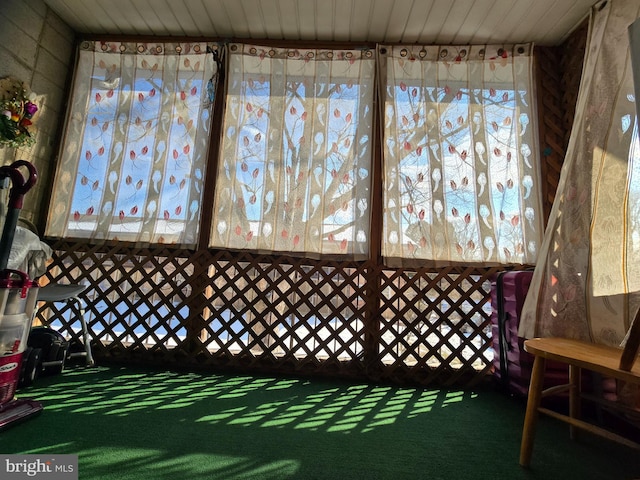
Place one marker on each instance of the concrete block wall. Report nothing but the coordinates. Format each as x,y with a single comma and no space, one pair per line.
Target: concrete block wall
37,47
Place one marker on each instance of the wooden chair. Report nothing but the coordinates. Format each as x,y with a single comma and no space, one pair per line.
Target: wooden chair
610,362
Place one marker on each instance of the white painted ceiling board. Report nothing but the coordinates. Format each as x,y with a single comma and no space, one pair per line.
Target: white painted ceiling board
325,14
435,21
361,14
548,18
478,14
222,21
400,15
91,18
151,19
490,22
305,17
511,24
416,22
289,19
565,22
184,16
123,15
200,16
272,17
255,19
455,19
379,19
545,22
343,10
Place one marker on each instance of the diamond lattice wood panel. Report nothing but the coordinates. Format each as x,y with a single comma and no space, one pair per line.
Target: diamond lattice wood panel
437,322
248,311
572,59
559,70
298,312
551,122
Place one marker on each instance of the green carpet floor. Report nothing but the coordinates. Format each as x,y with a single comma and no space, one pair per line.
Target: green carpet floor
128,424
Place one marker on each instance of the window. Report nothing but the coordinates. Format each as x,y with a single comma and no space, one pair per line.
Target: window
461,173
295,165
461,176
135,145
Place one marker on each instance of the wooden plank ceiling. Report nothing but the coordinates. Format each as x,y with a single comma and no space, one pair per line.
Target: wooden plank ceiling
544,22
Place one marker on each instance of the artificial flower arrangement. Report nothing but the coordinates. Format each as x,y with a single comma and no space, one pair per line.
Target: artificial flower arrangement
17,108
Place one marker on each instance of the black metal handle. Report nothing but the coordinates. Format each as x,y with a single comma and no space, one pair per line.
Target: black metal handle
19,186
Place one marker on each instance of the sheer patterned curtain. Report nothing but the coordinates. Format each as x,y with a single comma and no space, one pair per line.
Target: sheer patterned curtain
462,181
584,285
135,144
295,167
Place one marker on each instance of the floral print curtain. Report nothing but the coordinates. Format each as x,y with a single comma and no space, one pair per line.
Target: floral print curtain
461,169
135,145
294,173
585,283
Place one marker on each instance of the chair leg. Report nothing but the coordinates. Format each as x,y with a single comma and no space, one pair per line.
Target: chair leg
531,415
575,387
79,305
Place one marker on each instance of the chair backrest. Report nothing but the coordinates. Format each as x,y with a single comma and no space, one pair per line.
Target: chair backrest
630,351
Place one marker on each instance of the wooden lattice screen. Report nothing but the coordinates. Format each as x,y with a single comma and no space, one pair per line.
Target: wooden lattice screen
219,309
242,311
